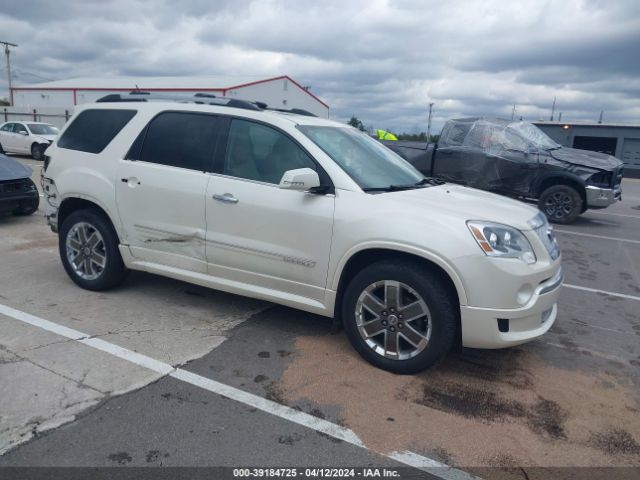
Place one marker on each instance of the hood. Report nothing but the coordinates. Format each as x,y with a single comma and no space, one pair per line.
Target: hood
11,169
47,138
586,158
472,204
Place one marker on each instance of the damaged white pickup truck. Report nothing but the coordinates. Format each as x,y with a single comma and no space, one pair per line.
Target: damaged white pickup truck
301,211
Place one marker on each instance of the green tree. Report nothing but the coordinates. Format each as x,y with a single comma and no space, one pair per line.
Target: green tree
355,122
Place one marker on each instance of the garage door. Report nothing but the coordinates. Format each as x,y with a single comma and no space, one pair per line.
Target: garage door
631,151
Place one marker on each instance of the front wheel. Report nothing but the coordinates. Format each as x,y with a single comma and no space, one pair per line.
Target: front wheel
399,317
89,252
561,204
37,151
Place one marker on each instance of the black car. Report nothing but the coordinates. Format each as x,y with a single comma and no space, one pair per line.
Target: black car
517,159
18,194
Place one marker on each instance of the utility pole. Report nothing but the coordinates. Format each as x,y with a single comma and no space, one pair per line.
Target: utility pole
429,121
7,52
553,108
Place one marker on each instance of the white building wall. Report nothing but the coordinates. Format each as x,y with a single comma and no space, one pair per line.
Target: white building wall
281,93
43,98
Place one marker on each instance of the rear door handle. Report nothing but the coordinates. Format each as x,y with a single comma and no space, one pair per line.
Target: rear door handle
226,197
131,181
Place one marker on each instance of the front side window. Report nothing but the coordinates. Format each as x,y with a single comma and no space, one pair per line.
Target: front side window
257,152
93,130
181,139
367,161
19,128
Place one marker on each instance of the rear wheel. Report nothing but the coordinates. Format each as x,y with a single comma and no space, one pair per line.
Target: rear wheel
88,247
561,204
1,149
399,317
37,151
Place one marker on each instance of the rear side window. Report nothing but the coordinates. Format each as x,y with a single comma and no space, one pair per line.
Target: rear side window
92,130
180,139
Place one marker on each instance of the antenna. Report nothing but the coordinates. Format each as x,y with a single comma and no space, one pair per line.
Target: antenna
7,52
553,108
513,111
601,115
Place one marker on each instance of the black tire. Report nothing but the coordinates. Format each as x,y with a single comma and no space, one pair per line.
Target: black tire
1,149
37,151
561,204
113,272
443,312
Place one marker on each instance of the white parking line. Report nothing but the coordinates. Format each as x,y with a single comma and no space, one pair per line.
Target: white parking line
637,217
411,459
604,237
602,292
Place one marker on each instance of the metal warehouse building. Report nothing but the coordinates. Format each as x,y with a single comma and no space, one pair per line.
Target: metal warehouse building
622,141
277,92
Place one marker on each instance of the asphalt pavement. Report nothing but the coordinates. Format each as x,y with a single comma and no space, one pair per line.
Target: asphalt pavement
242,383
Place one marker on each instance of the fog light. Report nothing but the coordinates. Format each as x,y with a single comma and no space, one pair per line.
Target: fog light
524,294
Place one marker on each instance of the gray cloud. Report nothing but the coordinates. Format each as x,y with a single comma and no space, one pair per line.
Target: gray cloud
380,60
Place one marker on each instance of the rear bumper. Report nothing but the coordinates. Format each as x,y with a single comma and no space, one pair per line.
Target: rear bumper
602,197
51,214
485,328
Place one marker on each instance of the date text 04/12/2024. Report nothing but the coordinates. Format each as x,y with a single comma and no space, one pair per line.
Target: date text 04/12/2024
367,472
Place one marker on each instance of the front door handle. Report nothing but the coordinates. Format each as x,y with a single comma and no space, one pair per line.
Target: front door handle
226,197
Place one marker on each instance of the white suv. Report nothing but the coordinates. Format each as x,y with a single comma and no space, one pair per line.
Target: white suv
300,211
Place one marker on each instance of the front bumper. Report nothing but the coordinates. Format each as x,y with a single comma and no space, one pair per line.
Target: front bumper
10,202
500,328
602,197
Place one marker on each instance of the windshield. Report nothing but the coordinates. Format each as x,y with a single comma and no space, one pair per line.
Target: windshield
43,129
367,161
534,135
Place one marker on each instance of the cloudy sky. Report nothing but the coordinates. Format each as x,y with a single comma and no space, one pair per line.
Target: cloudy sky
381,60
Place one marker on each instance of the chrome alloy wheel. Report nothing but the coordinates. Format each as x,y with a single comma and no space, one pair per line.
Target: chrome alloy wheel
86,251
393,320
559,205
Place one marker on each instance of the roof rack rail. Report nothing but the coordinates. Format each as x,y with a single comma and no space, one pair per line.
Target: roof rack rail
297,111
200,98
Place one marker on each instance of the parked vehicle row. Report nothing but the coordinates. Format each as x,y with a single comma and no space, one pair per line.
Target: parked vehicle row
300,211
27,138
517,159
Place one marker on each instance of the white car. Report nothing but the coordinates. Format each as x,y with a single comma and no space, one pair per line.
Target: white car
27,138
300,211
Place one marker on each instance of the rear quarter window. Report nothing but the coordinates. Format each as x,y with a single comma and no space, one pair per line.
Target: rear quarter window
93,130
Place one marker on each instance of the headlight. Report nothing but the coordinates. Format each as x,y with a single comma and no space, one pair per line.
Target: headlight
498,240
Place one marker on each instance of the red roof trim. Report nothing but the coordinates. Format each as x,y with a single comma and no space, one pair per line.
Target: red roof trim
119,89
224,90
282,77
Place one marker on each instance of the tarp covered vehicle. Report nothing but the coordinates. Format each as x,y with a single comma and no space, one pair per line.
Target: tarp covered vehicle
517,159
18,193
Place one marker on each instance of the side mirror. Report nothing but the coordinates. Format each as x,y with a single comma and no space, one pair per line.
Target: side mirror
302,179
22,132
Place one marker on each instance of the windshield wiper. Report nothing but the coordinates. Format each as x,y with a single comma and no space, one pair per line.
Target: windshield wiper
395,188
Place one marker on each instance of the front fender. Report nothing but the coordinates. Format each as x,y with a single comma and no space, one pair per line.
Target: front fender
402,248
